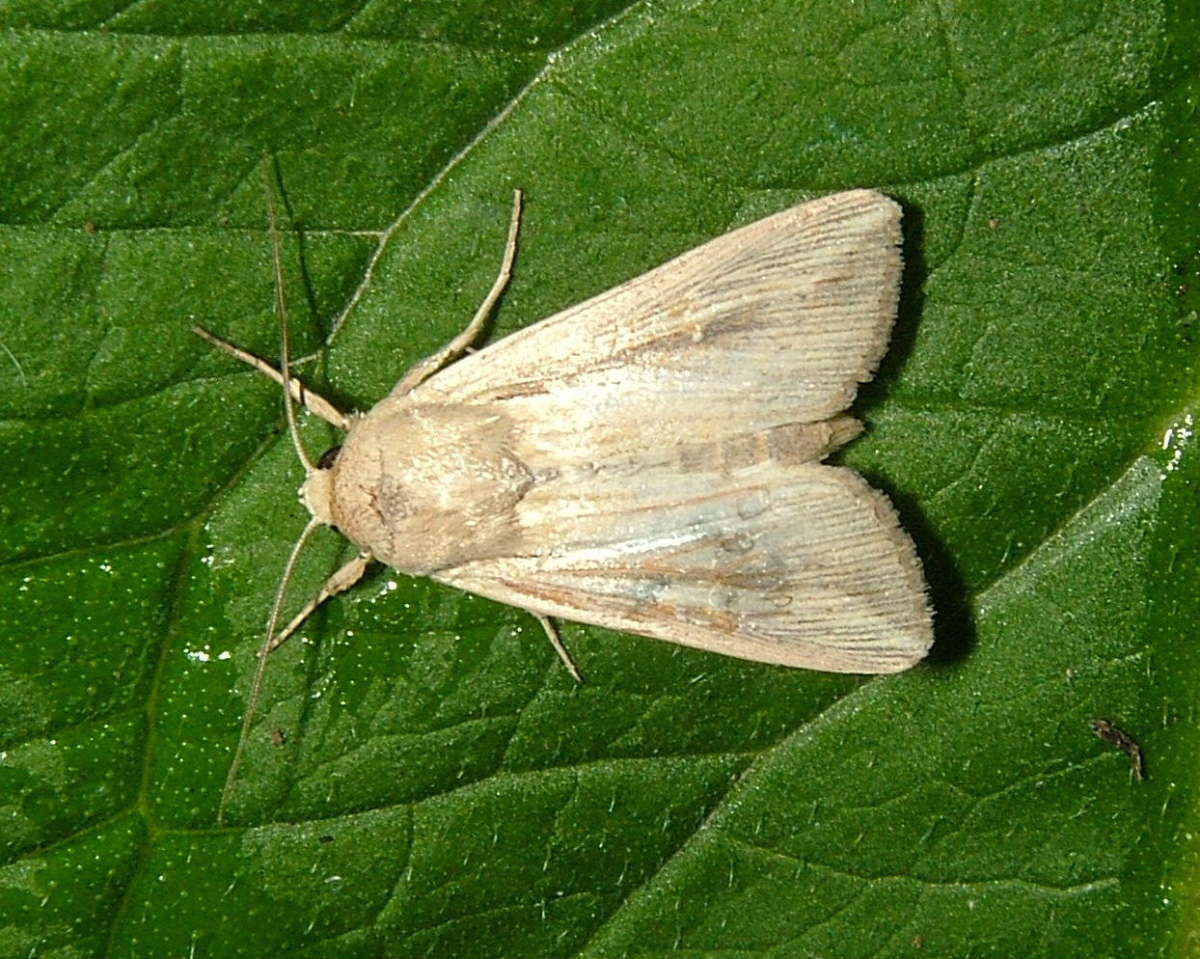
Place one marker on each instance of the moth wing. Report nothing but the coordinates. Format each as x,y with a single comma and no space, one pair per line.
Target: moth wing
776,322
802,565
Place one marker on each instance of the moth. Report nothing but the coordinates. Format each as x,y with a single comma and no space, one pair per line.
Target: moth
651,459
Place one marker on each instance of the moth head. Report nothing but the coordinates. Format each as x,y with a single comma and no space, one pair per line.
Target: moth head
316,492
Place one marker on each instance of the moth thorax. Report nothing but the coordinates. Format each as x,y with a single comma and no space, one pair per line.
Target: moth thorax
316,492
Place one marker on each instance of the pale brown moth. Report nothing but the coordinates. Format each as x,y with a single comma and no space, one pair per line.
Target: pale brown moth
649,460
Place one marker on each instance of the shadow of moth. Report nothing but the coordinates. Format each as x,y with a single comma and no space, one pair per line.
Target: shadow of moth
649,460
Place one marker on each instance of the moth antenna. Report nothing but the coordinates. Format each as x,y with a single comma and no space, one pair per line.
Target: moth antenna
281,309
260,671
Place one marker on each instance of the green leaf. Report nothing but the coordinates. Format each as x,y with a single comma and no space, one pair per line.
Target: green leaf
424,778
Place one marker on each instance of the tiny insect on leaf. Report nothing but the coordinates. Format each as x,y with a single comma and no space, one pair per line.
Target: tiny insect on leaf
1116,736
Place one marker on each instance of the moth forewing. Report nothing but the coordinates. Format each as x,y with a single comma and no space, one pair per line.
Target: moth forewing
774,323
801,566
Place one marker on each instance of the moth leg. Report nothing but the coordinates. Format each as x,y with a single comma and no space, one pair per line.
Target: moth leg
462,343
339,582
557,643
300,393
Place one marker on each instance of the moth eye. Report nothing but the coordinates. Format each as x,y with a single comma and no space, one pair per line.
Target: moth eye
328,458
